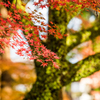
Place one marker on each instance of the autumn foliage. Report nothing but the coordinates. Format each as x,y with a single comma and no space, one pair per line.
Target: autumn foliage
10,24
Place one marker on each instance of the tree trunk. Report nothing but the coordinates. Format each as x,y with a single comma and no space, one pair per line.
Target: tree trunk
46,86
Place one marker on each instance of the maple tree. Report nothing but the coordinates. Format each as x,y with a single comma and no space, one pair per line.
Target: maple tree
45,53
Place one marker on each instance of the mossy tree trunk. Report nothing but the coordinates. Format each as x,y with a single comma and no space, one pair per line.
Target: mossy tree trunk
50,80
48,85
